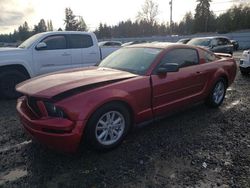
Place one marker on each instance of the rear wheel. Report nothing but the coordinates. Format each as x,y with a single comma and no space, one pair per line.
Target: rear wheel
217,94
8,81
108,126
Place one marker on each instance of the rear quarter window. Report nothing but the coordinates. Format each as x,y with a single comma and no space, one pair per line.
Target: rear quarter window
209,57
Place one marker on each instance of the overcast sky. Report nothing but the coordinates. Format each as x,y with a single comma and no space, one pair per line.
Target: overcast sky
14,12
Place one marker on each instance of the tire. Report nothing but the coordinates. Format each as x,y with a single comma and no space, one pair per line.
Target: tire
244,73
8,81
101,133
217,94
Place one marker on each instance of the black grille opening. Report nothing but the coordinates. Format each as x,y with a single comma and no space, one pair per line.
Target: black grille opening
32,103
54,131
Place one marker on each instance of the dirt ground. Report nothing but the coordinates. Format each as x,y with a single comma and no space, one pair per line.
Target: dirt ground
198,147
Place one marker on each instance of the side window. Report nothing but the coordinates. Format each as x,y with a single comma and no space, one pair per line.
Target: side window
220,42
215,42
80,41
182,57
112,44
55,42
108,44
115,44
227,42
209,57
223,41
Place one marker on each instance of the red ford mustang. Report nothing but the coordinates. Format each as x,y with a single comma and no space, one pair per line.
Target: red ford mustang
133,85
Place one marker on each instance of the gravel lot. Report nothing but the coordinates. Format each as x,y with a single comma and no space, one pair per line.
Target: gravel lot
198,147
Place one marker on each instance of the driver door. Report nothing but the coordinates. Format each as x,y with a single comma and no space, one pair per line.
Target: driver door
175,89
55,56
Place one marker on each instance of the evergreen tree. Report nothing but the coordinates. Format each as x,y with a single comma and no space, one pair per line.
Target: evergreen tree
71,24
41,27
236,18
202,15
189,23
49,25
23,32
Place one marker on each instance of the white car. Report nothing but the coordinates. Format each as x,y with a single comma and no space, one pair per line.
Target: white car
245,62
109,43
47,52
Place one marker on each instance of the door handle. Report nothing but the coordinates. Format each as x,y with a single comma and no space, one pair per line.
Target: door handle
65,54
198,72
49,65
92,53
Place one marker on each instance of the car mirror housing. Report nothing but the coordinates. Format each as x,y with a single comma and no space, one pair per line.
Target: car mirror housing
41,46
170,67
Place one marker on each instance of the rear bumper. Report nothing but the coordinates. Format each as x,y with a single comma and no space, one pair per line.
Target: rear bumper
56,133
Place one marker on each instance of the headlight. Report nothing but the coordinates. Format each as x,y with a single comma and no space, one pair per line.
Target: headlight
54,111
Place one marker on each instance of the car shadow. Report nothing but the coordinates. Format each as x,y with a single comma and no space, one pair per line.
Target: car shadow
171,137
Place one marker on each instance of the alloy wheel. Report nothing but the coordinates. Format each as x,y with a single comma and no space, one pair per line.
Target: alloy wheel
110,127
219,92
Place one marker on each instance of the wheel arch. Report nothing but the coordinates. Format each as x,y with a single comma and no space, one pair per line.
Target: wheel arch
209,99
116,101
18,67
85,137
225,78
220,74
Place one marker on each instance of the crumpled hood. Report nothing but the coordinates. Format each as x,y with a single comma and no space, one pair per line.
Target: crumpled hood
50,85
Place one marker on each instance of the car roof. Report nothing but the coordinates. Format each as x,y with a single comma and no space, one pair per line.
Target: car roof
184,39
65,32
110,41
213,37
161,45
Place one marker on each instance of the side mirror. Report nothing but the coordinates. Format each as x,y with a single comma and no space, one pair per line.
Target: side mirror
41,46
170,67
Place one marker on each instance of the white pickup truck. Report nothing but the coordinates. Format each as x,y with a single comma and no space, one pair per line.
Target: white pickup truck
47,52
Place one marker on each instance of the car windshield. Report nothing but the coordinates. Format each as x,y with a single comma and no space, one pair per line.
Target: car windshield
134,60
101,43
183,41
27,43
200,42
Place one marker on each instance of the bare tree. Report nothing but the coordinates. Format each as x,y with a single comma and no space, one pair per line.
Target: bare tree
149,12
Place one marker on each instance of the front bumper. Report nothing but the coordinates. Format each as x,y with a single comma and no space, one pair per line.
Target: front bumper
244,66
245,69
56,133
244,63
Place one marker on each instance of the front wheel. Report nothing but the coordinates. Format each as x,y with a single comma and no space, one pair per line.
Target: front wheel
217,94
8,81
108,126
